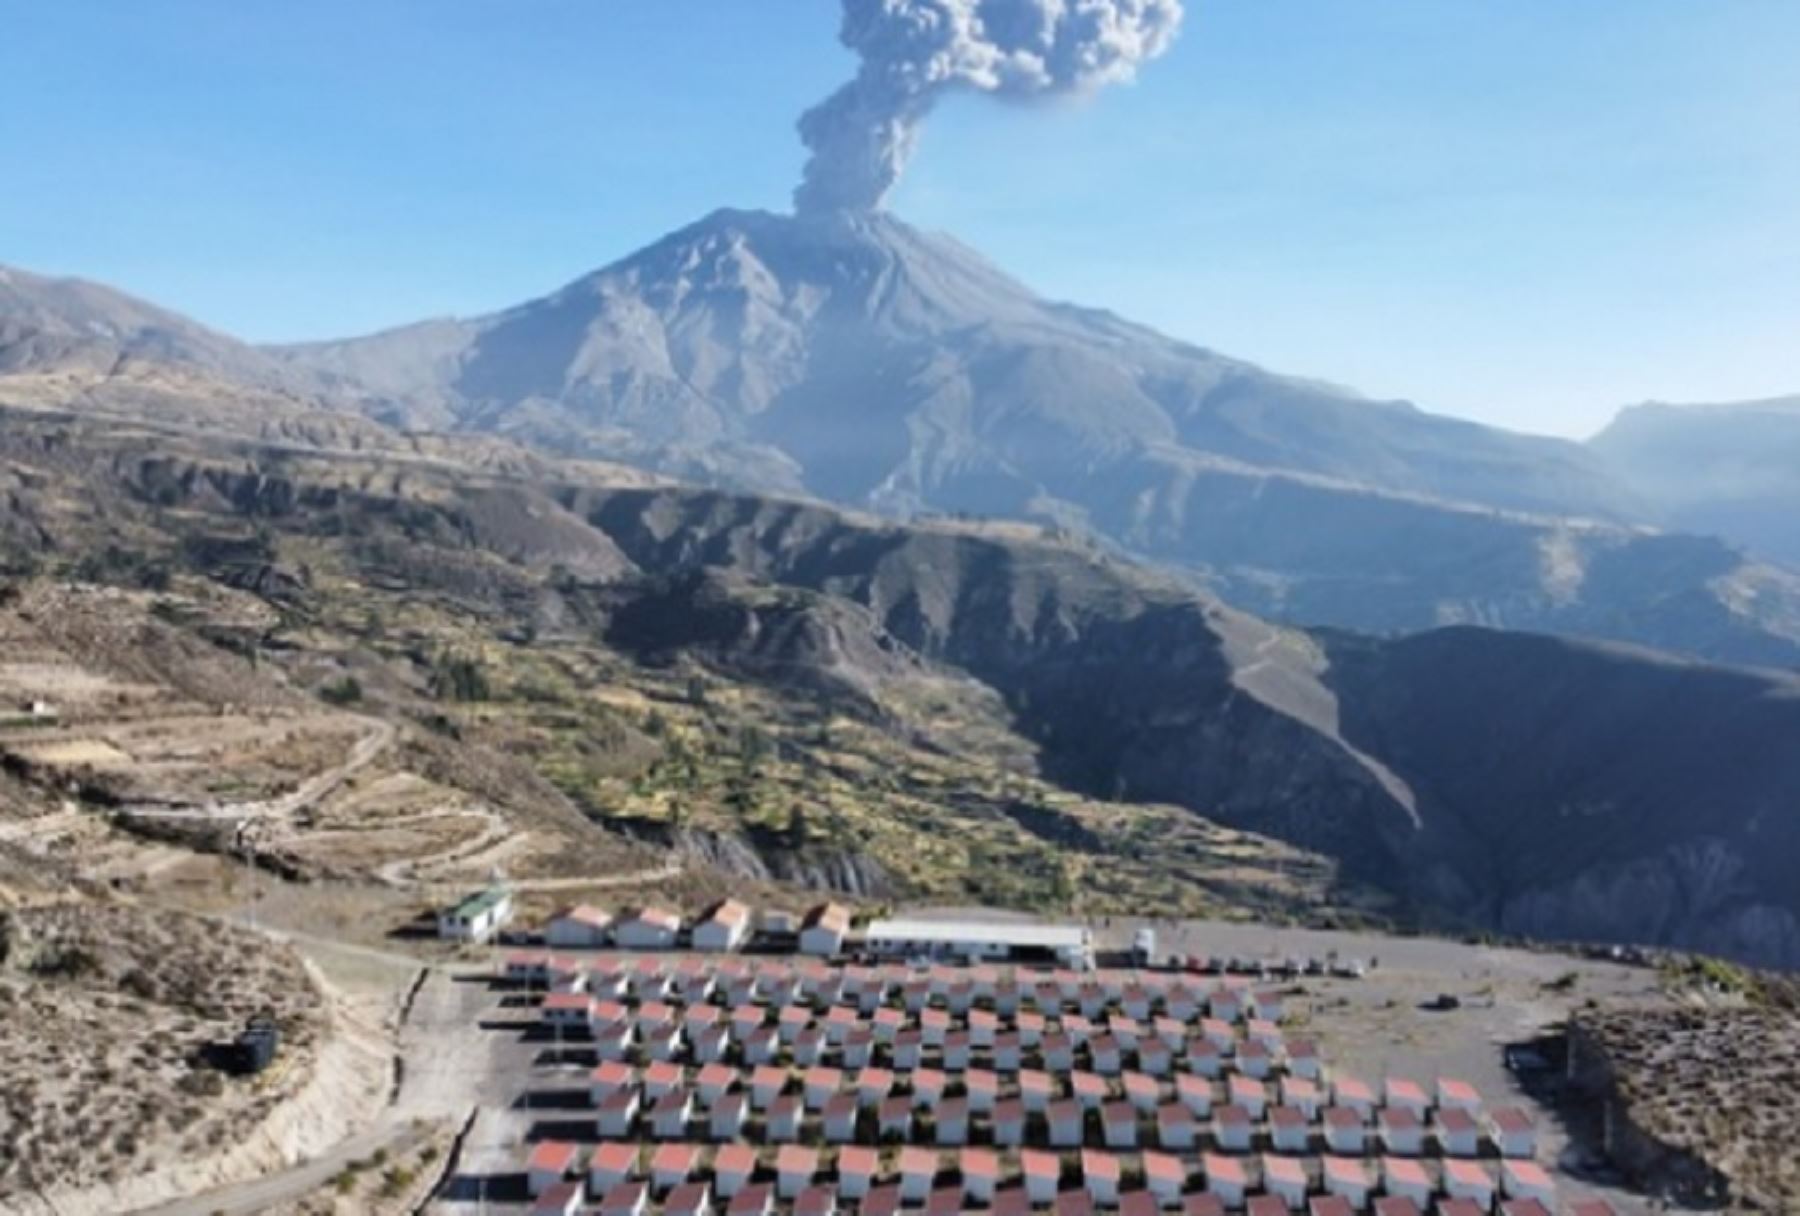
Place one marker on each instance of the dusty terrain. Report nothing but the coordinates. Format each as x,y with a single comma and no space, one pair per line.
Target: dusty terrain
1703,1089
109,1011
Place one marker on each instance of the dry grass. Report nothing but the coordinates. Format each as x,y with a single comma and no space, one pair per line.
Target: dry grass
104,1013
1716,1081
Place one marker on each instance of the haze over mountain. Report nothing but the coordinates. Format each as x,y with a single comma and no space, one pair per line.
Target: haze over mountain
1732,470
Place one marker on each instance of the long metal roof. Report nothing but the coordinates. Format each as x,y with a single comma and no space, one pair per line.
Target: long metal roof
973,932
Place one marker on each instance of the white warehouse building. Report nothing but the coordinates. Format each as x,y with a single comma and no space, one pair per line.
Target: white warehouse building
983,941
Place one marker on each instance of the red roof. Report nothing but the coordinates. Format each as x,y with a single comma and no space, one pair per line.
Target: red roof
553,1156
734,1159
1512,1119
674,1158
1467,1172
1098,1165
1396,1205
1331,1205
797,1159
916,1160
1526,1173
1224,1169
980,1163
1527,1207
1163,1167
614,1158
860,1160
1283,1169
1404,1170
1037,1164
1203,1205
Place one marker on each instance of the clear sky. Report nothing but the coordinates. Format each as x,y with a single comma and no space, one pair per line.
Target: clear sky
1523,211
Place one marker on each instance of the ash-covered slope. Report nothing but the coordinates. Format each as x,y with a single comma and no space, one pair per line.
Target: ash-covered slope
866,361
1727,470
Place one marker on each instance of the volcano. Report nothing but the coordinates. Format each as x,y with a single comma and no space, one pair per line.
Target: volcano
857,358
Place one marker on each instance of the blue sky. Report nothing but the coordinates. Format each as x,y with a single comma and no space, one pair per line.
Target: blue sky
1523,211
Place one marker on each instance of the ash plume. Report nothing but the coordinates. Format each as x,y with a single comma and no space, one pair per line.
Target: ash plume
914,52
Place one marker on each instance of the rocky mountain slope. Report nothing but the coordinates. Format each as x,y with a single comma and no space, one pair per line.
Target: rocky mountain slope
736,672
863,361
860,360
1727,470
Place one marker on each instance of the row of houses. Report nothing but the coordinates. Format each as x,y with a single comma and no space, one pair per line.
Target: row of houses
1141,996
768,1105
981,1177
665,1036
724,928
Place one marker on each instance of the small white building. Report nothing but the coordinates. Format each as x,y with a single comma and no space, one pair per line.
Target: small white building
478,917
583,927
648,929
725,928
823,931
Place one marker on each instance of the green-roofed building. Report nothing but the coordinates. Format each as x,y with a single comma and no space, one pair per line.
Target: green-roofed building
477,917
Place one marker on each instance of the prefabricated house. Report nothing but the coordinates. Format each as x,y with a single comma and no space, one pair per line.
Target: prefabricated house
1036,1089
1226,1178
782,1126
816,1201
795,1168
754,1200
648,929
551,1163
1527,1180
669,1117
1289,1129
953,1121
1345,1132
1404,1178
611,1164
824,930
1514,1132
1348,1178
1195,1093
608,1079
1068,1123
725,1120
1043,1175
1009,1122
1119,1125
1233,1128
478,917
1458,1132
724,928
918,1171
689,1199
625,1199
1142,1090
671,1165
980,1170
1176,1128
838,1118
617,1115
1250,1094
1100,1173
1406,1095
1470,1180
1166,1177
1285,1178
894,1119
583,927
1402,1132
856,1170
733,1166
1453,1094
